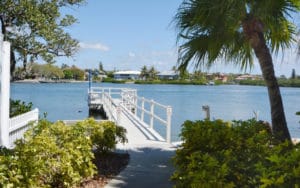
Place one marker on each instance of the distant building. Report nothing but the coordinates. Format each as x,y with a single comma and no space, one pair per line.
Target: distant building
102,74
127,75
222,77
168,75
95,74
248,77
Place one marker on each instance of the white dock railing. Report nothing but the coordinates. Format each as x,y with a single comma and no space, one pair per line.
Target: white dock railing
110,98
113,98
19,124
109,107
167,110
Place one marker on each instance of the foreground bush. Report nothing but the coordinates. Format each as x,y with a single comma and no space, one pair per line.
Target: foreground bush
18,107
55,155
104,135
237,154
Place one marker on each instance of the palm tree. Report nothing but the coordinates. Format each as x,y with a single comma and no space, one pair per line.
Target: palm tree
236,30
144,73
153,73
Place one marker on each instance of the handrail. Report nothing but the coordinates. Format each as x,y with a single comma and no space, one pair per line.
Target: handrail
149,101
130,101
108,104
153,116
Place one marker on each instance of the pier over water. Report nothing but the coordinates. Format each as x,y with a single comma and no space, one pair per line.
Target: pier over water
150,151
137,114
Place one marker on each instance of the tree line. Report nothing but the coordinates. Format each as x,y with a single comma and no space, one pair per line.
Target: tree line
36,30
49,71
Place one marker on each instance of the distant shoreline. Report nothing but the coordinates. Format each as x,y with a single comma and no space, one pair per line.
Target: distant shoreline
33,81
282,83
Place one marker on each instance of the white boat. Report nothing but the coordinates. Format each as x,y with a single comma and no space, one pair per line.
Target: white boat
210,83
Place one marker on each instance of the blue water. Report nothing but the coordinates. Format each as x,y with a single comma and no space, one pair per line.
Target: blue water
69,101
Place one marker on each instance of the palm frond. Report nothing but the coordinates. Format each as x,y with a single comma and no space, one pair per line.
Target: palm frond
212,29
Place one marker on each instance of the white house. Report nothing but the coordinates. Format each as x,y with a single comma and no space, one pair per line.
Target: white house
248,77
168,75
127,75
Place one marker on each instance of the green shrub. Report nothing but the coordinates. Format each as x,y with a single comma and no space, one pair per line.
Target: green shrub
104,135
281,82
236,154
281,168
18,107
9,173
112,80
56,155
53,155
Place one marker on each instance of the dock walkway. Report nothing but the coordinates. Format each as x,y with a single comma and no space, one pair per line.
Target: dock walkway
150,160
150,152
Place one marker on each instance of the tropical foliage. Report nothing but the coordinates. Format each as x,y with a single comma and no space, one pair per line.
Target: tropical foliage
234,154
73,72
104,135
56,155
281,82
148,73
235,31
36,29
144,73
46,71
18,107
49,71
152,73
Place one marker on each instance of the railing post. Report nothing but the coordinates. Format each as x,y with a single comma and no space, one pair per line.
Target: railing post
151,113
168,132
122,96
5,91
36,115
135,102
110,106
207,112
118,114
143,108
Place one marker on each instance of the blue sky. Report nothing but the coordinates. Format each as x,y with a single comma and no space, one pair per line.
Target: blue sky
128,34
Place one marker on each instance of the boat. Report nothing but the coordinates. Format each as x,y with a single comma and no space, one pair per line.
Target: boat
210,83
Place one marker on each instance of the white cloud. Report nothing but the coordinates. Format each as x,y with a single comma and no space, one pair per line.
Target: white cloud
94,46
158,63
131,54
162,60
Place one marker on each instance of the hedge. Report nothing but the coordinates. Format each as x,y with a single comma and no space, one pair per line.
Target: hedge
56,155
236,154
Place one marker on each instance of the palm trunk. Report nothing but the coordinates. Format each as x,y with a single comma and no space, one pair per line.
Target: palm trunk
262,52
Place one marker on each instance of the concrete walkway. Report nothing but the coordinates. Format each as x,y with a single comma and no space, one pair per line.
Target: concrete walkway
150,159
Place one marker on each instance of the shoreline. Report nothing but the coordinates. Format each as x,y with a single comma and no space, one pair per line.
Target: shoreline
33,81
36,81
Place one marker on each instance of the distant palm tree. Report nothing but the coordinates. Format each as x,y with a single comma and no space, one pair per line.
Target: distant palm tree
174,69
144,73
236,30
153,73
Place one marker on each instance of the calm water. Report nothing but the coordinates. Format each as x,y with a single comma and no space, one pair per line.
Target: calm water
69,101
